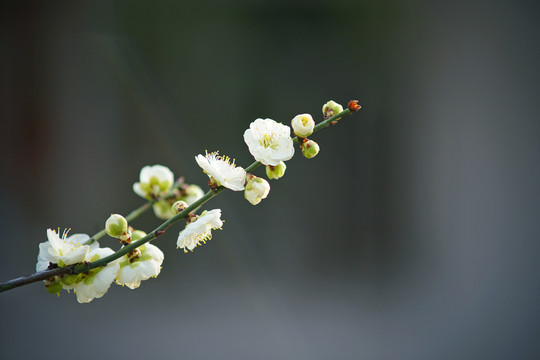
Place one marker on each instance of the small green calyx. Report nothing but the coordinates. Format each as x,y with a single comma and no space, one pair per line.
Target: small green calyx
71,279
89,279
54,287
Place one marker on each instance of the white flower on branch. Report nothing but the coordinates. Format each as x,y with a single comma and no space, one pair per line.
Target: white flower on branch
63,250
222,171
269,142
154,181
96,282
200,230
144,263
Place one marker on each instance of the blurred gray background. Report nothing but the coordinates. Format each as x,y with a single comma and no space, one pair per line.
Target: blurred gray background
412,235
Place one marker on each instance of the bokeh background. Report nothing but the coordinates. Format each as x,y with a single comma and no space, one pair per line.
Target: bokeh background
414,234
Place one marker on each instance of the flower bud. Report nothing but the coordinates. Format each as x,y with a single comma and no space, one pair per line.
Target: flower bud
137,235
179,206
275,172
117,227
303,125
310,149
330,109
256,189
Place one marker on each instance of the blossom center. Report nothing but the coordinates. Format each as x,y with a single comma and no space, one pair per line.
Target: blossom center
68,244
267,141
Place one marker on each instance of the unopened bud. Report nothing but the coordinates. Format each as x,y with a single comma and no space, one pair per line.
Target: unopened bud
303,125
330,109
353,105
275,172
179,206
256,189
117,227
310,149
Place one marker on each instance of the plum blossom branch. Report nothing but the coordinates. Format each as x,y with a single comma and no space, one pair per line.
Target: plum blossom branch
161,229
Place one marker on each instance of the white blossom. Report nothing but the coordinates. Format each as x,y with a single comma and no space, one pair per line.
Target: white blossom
200,230
154,181
269,142
222,170
63,250
96,283
144,264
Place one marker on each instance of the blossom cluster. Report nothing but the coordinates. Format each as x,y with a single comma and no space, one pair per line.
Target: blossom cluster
129,270
268,141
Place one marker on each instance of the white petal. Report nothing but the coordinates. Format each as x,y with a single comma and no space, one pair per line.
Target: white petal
54,239
146,174
137,189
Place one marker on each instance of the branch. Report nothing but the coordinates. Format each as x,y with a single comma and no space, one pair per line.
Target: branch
160,230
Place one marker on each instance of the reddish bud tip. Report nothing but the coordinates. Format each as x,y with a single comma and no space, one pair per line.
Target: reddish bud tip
353,106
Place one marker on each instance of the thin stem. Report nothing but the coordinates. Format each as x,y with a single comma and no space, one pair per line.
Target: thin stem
83,267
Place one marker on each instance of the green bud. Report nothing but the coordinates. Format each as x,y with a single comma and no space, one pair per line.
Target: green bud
330,109
179,206
117,227
137,235
310,149
275,172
